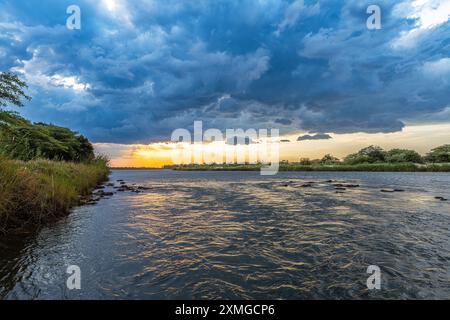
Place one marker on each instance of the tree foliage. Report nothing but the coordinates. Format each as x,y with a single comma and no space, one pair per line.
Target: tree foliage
371,154
20,139
305,161
329,159
439,154
403,155
12,90
23,140
374,154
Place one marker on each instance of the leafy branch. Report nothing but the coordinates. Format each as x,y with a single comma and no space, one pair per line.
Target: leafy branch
12,90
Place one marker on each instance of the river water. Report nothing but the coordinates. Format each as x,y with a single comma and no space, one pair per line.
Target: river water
238,235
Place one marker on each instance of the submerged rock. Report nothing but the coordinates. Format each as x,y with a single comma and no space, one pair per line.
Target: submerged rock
89,201
392,190
102,193
346,185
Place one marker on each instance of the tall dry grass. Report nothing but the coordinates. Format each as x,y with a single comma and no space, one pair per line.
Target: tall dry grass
35,191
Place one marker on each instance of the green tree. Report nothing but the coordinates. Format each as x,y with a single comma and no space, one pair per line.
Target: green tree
23,140
440,154
85,149
403,155
20,139
305,161
12,90
369,154
329,159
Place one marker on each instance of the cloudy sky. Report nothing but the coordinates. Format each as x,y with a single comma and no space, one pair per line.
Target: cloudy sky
137,70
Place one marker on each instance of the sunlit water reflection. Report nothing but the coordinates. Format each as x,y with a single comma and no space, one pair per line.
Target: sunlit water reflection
237,235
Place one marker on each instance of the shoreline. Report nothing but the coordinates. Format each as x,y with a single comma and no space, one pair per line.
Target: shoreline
376,167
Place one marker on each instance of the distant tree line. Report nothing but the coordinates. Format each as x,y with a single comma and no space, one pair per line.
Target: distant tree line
376,154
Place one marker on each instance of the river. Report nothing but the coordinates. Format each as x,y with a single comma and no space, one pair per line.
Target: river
239,235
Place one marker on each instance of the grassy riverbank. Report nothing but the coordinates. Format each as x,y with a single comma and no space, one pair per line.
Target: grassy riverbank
375,167
36,191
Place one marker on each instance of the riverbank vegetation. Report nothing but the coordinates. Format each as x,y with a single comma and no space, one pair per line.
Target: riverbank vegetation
36,191
44,169
372,158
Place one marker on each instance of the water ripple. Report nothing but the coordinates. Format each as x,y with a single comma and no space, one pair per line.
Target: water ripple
242,236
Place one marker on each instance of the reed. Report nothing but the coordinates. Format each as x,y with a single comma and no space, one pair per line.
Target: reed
35,191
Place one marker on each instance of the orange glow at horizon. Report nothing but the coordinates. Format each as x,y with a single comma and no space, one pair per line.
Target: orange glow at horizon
419,137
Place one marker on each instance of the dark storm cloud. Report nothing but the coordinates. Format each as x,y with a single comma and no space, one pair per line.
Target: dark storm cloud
139,69
285,122
318,136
